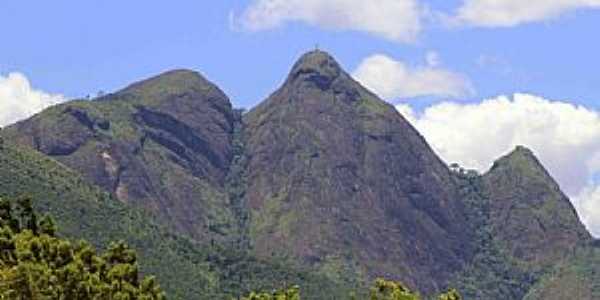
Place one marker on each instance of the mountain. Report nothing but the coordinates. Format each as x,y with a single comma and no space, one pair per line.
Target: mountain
339,180
576,278
322,184
184,269
163,144
524,226
530,214
85,211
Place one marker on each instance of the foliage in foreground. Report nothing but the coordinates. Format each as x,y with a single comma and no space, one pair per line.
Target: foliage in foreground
35,264
381,290
185,270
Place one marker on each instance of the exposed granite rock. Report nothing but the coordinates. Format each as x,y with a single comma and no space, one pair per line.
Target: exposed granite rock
322,174
339,180
529,212
163,144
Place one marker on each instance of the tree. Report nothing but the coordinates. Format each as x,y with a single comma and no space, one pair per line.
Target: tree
35,264
450,295
6,216
382,290
287,294
27,218
390,290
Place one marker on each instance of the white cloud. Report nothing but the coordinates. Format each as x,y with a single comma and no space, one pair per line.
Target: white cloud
508,13
18,100
396,20
392,79
565,137
587,204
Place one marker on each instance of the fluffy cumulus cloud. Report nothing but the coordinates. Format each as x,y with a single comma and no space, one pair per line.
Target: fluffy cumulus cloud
396,20
18,100
565,137
392,79
506,13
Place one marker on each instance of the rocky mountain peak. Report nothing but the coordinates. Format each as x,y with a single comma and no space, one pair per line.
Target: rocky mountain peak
178,77
522,153
163,144
316,67
529,212
322,174
169,85
331,165
522,162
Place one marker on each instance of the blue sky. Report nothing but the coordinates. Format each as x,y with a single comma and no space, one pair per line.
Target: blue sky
475,77
79,47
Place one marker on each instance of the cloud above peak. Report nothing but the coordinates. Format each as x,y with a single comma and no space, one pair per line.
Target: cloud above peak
395,20
393,79
508,13
565,137
399,20
18,100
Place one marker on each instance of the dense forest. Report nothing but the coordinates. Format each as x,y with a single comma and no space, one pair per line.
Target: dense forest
35,264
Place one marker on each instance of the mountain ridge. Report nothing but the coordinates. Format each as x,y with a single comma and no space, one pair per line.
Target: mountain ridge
321,123
162,143
555,217
322,175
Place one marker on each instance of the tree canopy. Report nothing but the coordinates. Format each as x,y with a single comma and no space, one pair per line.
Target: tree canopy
36,264
381,290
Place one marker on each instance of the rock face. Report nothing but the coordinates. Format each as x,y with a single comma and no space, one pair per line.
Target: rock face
577,278
339,180
163,144
323,175
524,226
529,214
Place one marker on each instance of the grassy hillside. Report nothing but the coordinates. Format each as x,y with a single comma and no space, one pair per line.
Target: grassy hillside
184,270
162,144
322,185
524,225
575,278
492,273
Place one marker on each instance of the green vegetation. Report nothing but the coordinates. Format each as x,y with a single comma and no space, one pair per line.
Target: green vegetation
185,269
143,145
287,294
381,290
492,273
575,278
83,211
390,290
35,264
321,186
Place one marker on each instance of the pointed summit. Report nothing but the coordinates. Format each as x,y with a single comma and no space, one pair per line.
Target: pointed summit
522,152
522,161
529,212
323,154
319,62
318,68
519,154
